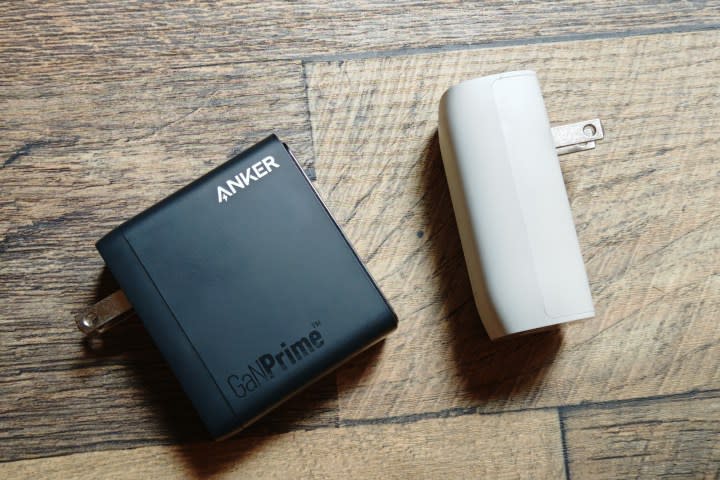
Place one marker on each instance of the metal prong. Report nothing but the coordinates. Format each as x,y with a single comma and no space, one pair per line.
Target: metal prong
578,147
105,314
576,137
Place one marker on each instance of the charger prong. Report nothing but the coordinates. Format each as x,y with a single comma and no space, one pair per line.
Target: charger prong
576,137
104,315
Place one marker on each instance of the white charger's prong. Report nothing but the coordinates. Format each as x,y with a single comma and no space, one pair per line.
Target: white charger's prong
105,314
576,137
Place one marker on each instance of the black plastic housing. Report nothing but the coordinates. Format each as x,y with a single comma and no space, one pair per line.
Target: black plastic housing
222,283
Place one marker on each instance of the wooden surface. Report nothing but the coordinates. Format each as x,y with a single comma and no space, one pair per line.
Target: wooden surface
522,442
107,108
655,438
652,249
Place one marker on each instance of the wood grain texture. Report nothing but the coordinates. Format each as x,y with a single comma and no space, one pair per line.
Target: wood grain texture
109,106
646,204
662,438
43,40
79,158
445,447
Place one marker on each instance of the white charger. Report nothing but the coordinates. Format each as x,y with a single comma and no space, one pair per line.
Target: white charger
511,206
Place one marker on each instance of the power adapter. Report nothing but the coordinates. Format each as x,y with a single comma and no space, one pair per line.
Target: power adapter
510,202
246,285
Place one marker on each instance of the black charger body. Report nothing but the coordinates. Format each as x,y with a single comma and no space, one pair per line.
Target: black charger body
247,286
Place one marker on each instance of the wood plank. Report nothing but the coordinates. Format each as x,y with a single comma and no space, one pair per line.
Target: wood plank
102,117
78,159
646,203
512,445
666,438
41,40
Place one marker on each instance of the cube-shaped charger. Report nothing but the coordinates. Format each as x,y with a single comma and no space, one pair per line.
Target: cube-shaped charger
247,286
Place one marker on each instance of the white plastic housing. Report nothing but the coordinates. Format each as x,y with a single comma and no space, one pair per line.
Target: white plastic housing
511,207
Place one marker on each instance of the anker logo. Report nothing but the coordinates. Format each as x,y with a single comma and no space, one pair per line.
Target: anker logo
266,366
254,173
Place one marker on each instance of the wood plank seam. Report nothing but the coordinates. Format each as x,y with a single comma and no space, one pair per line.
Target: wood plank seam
52,38
561,410
477,410
564,443
310,165
571,37
689,28
429,449
641,401
659,439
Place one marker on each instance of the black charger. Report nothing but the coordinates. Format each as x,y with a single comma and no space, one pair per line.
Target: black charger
247,286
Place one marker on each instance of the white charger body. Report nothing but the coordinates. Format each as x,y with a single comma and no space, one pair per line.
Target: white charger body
513,215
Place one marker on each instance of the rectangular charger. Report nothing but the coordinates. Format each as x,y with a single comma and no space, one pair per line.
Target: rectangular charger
247,286
512,209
